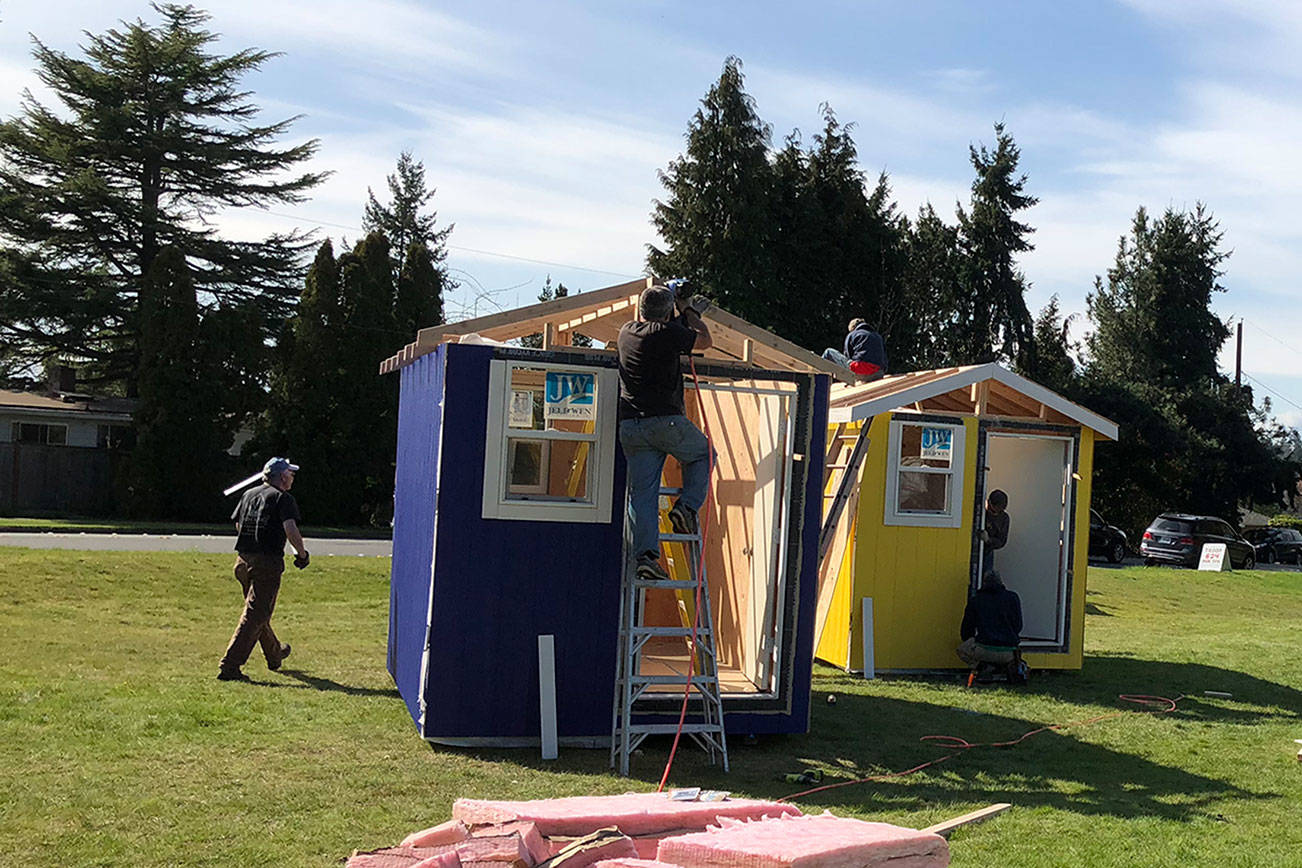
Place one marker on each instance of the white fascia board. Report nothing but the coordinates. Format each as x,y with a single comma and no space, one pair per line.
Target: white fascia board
920,392
1057,402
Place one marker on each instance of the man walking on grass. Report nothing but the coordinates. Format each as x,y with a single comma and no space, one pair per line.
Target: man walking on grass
653,423
266,517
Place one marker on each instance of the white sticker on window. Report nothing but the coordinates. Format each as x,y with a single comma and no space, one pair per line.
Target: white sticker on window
570,395
521,408
938,444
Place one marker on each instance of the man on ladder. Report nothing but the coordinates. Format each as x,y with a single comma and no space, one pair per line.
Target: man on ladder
653,421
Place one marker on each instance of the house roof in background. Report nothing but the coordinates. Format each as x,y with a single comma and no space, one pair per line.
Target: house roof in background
67,405
981,390
600,313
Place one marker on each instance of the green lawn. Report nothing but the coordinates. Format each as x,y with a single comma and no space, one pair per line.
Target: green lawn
120,748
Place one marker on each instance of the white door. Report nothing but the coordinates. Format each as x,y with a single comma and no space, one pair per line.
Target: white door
1034,471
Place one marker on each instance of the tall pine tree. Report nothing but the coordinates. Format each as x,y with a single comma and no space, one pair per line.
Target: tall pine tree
715,219
994,321
153,136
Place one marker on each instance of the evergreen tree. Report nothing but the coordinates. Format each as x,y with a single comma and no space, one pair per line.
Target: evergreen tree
933,278
715,221
1153,313
419,300
176,438
993,321
154,135
1192,441
1054,349
402,222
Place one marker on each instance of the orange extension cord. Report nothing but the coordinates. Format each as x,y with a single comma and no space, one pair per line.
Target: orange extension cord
1157,704
703,522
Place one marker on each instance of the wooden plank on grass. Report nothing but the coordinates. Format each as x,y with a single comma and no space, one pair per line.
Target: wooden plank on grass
944,829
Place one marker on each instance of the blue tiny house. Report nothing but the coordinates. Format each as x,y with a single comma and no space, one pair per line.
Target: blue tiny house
509,523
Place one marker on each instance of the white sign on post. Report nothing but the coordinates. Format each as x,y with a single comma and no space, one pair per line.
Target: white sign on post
1214,558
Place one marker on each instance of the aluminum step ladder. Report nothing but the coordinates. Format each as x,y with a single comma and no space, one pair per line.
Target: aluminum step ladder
704,721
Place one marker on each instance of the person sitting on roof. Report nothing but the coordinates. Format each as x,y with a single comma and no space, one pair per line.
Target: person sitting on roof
992,624
865,353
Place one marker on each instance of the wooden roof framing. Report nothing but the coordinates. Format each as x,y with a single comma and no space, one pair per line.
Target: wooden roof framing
600,313
982,390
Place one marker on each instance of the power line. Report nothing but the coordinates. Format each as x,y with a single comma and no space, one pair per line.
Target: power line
1271,336
1272,391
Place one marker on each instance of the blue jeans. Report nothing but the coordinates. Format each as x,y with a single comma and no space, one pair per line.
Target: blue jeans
646,442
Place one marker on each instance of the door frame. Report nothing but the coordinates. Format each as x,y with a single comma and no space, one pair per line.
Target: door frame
1066,569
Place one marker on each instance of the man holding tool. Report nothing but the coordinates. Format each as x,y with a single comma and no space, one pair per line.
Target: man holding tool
266,517
653,421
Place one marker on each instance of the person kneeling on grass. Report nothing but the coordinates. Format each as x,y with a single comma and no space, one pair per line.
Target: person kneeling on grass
992,626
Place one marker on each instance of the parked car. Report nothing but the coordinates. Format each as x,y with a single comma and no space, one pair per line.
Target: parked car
1106,541
1177,538
1276,545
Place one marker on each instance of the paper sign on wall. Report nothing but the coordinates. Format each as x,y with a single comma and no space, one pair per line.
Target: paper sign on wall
938,444
570,395
1213,558
521,415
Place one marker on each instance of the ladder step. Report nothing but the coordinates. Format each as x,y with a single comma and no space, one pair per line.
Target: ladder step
685,632
665,490
675,584
680,680
680,537
671,728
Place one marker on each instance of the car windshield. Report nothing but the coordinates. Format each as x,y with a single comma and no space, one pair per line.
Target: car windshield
1171,525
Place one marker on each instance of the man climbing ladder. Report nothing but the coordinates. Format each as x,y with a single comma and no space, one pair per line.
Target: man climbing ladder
653,422
654,425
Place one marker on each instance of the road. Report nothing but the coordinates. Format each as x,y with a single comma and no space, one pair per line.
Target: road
145,542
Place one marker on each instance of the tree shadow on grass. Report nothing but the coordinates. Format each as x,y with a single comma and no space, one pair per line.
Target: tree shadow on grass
1253,699
316,682
865,735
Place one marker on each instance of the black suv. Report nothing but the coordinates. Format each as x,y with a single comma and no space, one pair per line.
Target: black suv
1176,538
1276,545
1106,541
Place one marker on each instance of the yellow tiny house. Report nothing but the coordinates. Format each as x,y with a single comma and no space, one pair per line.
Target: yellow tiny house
907,548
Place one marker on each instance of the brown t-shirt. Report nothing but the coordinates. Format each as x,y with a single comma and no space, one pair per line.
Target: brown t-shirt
650,380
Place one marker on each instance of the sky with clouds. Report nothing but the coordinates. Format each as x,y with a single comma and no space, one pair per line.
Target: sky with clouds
543,125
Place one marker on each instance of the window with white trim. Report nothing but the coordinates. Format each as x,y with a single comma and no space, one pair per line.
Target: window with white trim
924,474
47,434
549,445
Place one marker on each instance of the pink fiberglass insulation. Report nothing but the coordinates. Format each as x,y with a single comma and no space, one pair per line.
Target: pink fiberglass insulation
633,813
496,848
451,832
442,860
528,833
394,857
806,842
633,863
615,848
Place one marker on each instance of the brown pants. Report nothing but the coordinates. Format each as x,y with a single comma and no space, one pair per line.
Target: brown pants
259,576
973,652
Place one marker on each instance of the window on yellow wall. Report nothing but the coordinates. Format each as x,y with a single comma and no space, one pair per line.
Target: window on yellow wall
924,480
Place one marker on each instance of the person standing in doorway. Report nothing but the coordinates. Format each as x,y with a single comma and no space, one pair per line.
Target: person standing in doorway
653,422
267,516
865,352
995,532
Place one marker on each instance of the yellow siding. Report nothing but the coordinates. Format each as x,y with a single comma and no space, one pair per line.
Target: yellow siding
918,576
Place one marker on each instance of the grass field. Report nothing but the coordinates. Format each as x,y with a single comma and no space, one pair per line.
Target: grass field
120,748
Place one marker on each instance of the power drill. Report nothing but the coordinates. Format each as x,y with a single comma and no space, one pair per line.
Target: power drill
685,291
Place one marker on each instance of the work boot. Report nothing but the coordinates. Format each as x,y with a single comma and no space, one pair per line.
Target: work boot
232,675
648,567
682,518
284,652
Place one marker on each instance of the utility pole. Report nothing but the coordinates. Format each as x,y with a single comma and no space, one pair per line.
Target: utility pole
1238,356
